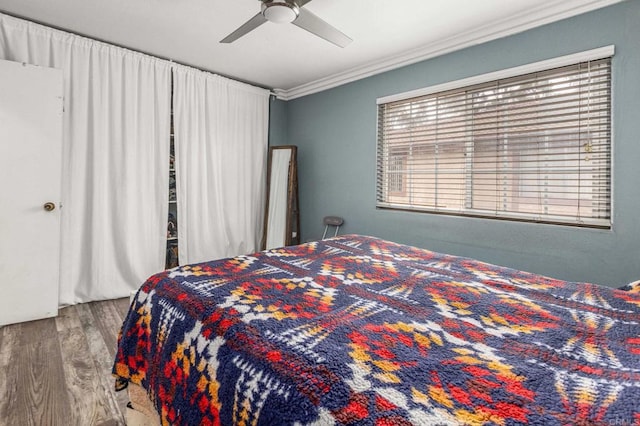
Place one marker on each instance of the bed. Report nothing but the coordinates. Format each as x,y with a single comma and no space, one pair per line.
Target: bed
356,330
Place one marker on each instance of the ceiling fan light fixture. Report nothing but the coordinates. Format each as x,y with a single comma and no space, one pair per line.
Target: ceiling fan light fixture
290,11
280,12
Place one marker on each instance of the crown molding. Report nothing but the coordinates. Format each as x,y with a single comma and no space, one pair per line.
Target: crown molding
529,19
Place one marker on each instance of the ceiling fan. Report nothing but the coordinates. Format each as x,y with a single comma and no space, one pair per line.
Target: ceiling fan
290,11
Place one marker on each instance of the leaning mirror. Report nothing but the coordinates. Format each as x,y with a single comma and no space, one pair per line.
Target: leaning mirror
282,219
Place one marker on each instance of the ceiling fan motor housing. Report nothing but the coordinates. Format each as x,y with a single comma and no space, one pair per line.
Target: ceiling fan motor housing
290,11
280,11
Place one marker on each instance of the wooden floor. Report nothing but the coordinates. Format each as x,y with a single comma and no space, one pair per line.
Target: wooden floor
58,371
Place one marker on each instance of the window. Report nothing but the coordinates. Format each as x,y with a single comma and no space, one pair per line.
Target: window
534,146
396,176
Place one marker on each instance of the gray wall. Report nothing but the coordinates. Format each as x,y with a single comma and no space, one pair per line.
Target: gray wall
335,131
277,122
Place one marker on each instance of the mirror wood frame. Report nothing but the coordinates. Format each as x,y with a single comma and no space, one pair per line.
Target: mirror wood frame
292,215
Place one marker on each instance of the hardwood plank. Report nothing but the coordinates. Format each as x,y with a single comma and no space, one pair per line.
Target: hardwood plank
26,332
58,371
111,422
10,335
9,342
108,321
36,389
32,389
67,319
82,380
103,359
123,306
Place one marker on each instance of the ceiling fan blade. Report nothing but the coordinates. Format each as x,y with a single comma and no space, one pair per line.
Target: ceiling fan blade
248,26
301,3
310,22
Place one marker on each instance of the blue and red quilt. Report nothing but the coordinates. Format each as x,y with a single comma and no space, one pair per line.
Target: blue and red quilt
360,331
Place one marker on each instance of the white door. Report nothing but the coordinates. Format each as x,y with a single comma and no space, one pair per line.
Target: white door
30,174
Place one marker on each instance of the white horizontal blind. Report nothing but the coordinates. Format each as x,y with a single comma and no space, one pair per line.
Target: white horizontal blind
533,147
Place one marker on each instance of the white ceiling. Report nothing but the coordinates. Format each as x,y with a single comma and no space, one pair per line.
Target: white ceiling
386,34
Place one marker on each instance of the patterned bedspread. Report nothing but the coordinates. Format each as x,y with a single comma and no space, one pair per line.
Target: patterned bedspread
361,331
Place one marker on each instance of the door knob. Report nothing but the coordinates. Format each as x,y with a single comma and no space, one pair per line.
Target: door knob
49,206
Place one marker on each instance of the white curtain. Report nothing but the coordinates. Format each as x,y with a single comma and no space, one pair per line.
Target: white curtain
221,129
115,158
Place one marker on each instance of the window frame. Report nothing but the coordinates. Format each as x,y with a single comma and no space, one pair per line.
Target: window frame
541,66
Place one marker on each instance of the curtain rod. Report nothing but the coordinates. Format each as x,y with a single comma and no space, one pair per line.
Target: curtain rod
14,15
